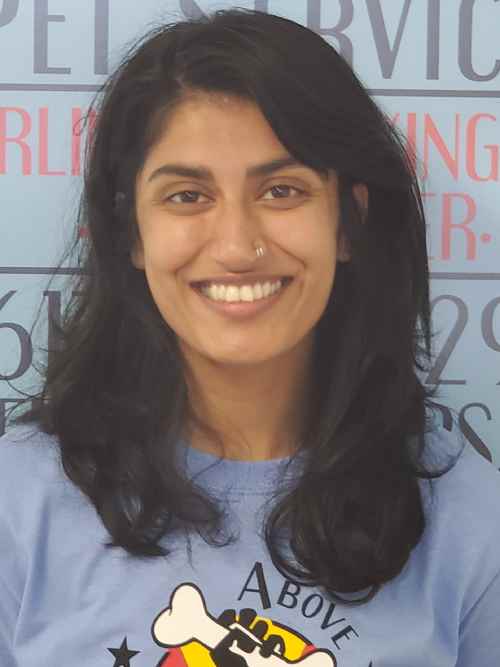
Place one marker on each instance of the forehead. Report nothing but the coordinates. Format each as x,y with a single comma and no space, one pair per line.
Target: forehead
225,133
215,126
212,106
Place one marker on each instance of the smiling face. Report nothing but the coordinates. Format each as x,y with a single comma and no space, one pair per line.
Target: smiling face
208,233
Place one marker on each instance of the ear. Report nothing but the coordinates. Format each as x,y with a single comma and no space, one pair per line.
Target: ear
360,192
137,255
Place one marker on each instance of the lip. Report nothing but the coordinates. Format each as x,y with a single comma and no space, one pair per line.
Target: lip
241,310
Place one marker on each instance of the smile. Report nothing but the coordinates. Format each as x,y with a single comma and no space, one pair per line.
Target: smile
242,301
246,293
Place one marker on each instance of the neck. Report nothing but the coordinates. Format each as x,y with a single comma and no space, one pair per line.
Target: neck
257,410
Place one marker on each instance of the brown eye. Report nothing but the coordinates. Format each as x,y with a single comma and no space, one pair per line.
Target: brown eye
192,195
190,200
282,187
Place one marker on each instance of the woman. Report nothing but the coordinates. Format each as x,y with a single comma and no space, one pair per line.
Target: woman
231,459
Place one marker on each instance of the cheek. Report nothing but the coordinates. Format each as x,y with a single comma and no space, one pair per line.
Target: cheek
170,246
313,244
319,255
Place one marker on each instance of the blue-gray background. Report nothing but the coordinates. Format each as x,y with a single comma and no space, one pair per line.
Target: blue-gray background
433,66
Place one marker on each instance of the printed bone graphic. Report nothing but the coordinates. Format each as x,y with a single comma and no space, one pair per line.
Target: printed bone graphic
187,620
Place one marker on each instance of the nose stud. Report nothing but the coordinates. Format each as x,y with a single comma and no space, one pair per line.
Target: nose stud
260,251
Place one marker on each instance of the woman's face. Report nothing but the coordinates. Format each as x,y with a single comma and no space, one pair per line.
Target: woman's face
206,235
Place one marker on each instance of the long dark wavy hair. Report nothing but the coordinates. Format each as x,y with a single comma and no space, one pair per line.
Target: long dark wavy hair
114,390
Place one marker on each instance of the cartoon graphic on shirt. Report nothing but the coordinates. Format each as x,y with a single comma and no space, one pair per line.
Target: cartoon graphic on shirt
194,637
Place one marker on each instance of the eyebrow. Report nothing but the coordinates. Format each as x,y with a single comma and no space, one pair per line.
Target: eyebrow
205,174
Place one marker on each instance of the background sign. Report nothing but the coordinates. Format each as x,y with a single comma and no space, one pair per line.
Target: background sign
432,65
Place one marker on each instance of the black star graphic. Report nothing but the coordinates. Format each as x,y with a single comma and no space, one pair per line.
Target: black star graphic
122,654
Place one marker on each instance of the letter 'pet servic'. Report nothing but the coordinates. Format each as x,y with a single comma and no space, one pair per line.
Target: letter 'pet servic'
233,459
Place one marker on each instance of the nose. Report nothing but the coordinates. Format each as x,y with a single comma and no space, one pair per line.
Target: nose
234,234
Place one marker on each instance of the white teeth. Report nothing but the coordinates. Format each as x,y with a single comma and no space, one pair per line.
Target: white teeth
246,293
232,293
257,291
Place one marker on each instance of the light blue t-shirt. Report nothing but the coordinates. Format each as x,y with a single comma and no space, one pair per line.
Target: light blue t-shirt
65,599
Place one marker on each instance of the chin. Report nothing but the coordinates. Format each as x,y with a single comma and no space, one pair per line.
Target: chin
242,360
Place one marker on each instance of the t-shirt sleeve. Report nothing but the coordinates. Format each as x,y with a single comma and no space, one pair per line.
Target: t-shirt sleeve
468,525
479,643
9,592
15,490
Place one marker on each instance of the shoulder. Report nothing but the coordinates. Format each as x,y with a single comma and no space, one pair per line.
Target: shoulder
27,453
470,482
31,473
462,508
39,504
